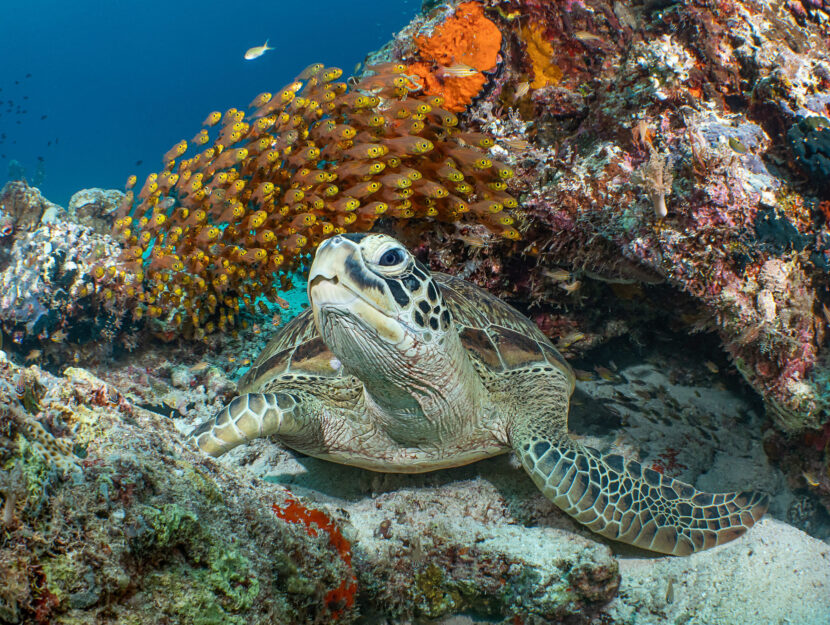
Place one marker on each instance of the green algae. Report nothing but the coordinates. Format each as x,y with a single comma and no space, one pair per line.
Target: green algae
171,525
438,595
36,469
433,597
228,575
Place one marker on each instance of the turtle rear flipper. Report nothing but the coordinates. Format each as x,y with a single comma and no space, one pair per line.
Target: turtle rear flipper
624,501
248,417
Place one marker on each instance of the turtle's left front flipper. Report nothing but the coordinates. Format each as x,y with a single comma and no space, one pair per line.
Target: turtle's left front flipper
635,505
251,416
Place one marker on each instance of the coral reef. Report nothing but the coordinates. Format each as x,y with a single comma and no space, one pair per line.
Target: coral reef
106,516
21,209
698,163
95,208
455,54
53,287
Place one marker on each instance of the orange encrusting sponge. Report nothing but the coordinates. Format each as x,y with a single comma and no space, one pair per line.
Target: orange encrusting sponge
467,38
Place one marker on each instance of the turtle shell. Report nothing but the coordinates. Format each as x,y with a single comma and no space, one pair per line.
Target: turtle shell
496,335
297,349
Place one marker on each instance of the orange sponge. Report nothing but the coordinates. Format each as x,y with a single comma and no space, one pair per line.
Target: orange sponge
540,52
467,38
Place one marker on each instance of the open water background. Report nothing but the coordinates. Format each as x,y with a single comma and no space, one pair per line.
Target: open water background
113,85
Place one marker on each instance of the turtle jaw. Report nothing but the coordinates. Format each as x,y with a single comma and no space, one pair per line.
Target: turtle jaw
340,284
331,300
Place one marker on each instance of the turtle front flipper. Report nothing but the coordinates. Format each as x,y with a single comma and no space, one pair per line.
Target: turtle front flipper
623,501
248,417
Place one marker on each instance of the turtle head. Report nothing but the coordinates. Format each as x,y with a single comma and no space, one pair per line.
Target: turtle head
383,316
370,295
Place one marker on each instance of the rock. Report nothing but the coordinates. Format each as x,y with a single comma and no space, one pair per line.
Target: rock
143,529
21,209
95,208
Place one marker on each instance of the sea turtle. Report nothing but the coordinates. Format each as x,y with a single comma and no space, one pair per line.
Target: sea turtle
397,369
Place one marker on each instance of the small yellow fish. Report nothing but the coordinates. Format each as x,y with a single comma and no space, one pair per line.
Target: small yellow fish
605,374
509,16
812,481
571,287
212,119
58,336
570,338
257,51
261,100
711,366
521,90
583,376
33,355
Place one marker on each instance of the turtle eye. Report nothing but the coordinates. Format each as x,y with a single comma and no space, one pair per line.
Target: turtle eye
391,257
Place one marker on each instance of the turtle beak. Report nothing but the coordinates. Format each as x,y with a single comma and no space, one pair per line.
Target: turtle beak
330,253
340,281
329,262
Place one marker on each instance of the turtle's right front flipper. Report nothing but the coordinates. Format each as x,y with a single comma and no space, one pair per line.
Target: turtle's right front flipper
248,417
624,501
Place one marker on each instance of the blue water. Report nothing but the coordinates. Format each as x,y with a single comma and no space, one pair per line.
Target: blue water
92,91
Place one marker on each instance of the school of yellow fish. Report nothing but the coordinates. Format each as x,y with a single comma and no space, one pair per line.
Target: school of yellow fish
227,226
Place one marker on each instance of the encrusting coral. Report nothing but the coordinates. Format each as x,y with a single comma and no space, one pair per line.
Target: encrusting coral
215,231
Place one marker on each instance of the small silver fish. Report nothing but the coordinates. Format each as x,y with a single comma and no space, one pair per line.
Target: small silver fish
257,51
516,144
459,70
584,35
560,275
